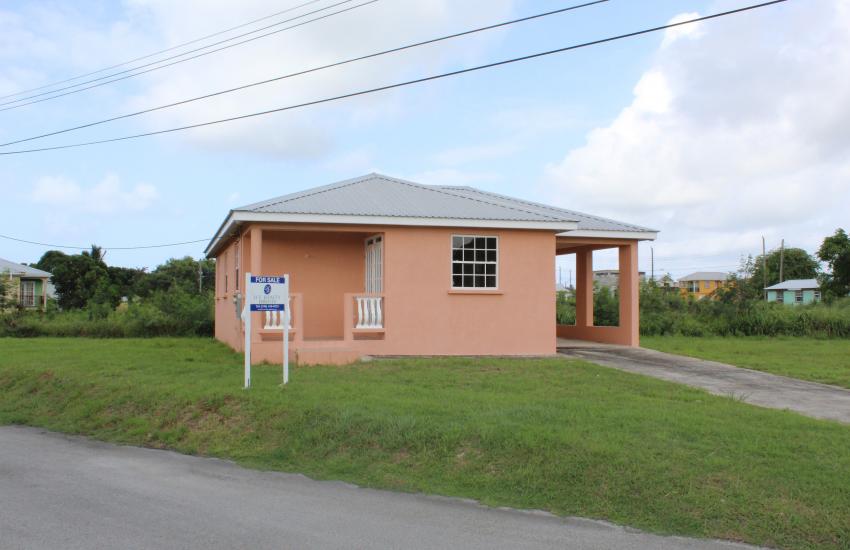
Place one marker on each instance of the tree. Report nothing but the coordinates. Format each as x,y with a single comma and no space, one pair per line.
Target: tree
798,264
835,252
76,280
126,281
6,298
49,260
96,253
179,273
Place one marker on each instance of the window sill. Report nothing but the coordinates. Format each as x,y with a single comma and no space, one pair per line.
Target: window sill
491,292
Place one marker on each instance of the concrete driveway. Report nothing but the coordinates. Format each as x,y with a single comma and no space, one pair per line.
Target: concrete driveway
68,492
759,388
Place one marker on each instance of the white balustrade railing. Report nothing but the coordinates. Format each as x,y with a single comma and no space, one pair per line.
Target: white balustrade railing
275,320
370,312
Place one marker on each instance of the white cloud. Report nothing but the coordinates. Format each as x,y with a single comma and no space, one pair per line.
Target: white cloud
108,196
737,129
309,132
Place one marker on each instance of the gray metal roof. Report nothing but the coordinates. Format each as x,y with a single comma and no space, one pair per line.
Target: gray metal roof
706,276
795,284
24,270
379,195
586,222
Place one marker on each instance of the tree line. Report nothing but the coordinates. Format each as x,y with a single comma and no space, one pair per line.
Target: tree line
96,299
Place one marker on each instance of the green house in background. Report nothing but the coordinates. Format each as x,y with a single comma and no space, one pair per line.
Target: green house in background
795,291
29,288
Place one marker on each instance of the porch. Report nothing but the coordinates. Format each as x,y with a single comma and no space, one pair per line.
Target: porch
336,299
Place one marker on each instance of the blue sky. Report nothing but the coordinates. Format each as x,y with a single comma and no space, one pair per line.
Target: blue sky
678,132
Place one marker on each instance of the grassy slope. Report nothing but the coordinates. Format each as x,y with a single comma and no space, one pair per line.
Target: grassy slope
818,360
569,437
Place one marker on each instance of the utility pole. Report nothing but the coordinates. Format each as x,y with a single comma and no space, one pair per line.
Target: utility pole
782,261
652,263
764,267
200,278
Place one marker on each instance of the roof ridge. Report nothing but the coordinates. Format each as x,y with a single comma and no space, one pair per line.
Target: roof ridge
556,208
440,189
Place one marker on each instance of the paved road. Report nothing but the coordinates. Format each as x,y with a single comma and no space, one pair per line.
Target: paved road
72,493
759,388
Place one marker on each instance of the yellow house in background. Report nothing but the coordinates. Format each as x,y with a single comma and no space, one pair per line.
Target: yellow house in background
702,283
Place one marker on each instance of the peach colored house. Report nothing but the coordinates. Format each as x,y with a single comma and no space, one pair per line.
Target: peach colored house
383,266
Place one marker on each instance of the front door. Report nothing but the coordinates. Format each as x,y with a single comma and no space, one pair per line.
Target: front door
375,265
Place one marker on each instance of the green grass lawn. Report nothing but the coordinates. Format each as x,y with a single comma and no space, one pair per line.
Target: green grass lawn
558,435
819,360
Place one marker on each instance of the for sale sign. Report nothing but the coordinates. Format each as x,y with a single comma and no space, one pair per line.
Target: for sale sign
268,293
264,293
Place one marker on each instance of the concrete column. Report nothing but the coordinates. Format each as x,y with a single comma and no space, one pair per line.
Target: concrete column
628,294
584,288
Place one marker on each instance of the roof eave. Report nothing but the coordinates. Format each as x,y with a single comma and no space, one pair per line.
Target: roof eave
238,216
611,234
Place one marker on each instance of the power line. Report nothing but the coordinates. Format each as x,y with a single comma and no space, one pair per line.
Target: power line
312,70
180,55
69,247
399,84
147,56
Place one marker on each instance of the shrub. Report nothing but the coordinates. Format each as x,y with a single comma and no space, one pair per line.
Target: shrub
164,313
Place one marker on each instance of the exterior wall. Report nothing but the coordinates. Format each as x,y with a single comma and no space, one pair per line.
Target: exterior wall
228,326
425,316
14,292
789,297
705,289
422,314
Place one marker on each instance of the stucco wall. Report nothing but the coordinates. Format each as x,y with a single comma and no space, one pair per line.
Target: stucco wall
423,315
228,327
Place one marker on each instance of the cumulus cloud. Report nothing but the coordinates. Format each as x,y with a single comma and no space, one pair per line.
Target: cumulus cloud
738,128
108,196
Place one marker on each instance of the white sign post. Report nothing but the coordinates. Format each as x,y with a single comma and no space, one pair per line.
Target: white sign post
264,293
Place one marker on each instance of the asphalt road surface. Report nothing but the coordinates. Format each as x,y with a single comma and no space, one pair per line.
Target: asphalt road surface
68,492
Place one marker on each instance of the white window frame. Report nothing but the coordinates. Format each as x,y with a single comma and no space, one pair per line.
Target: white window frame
28,298
452,261
374,264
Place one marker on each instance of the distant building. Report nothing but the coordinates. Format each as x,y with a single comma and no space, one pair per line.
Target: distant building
29,287
702,283
610,278
795,291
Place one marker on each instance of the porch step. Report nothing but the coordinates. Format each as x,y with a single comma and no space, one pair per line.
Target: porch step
325,355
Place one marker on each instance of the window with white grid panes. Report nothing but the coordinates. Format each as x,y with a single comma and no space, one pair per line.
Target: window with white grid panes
475,261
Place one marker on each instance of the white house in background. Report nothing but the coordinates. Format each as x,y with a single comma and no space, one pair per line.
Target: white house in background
794,291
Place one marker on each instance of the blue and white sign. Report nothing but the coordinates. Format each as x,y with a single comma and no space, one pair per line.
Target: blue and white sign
268,293
264,293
